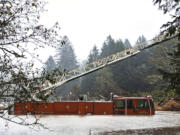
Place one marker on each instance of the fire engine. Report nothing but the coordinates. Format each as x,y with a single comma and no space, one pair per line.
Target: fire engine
116,106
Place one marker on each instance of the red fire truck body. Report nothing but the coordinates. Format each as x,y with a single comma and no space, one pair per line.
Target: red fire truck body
118,106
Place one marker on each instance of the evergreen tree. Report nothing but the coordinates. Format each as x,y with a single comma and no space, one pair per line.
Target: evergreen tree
160,59
105,83
130,74
88,81
107,47
66,60
173,77
50,64
127,44
119,46
171,28
110,46
65,56
94,54
141,39
93,83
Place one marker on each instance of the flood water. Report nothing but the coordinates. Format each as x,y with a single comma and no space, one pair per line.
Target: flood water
93,124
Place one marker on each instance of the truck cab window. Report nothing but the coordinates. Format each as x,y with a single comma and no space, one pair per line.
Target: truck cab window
129,104
142,103
120,104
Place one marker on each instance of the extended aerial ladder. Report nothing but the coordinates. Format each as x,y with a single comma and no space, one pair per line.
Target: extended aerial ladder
101,63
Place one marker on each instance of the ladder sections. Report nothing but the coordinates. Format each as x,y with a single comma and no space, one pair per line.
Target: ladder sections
101,63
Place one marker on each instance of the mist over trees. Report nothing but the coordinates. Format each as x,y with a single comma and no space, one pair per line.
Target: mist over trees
121,78
139,74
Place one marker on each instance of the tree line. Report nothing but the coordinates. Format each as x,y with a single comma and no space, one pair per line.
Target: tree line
132,77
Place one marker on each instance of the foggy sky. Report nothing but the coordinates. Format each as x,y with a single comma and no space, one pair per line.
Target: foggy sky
89,22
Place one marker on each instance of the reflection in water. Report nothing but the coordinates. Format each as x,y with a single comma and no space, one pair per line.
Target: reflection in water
85,125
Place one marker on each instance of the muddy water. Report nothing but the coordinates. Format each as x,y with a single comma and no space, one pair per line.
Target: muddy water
146,131
86,125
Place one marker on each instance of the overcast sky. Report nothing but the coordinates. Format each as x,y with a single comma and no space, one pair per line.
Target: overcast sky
89,22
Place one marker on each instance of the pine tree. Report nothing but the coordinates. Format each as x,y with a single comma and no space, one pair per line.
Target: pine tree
88,81
173,77
130,74
102,82
160,59
141,39
127,44
167,6
110,46
65,56
50,64
66,60
107,47
105,83
94,54
171,28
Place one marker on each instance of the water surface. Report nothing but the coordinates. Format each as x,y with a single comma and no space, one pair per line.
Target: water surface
93,124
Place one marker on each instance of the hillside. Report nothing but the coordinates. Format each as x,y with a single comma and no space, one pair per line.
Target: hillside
171,105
